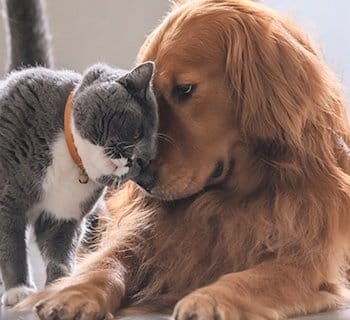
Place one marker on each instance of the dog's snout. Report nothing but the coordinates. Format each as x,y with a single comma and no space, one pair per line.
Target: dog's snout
142,163
147,179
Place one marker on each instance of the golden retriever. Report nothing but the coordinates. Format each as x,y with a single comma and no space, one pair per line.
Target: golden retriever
246,208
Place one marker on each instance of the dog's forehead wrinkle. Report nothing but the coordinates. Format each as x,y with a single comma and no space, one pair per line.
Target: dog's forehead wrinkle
187,60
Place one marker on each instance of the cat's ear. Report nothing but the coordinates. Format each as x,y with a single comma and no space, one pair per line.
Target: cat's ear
96,72
138,80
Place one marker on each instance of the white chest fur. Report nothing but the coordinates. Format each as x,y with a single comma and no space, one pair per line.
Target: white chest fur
62,192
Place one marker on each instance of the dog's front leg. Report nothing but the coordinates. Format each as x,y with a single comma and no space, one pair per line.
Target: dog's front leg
273,290
94,291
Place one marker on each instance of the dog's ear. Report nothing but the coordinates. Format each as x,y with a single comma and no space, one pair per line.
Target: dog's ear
274,74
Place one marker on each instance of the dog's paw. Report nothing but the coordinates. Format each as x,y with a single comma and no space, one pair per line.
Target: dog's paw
201,306
210,305
14,295
76,302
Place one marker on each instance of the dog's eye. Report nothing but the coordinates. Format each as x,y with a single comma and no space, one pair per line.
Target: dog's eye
218,171
183,91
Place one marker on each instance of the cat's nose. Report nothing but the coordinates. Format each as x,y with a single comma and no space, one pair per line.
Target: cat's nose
129,163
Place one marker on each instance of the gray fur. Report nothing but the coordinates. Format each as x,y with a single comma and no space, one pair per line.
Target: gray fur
57,241
28,34
105,94
110,108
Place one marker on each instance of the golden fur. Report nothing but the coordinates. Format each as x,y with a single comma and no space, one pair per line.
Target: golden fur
267,239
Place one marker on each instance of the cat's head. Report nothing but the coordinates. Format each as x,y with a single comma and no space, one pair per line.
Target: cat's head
115,122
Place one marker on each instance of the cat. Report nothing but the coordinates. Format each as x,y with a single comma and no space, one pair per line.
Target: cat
112,128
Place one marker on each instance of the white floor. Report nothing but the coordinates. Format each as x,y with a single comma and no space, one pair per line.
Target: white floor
338,315
38,276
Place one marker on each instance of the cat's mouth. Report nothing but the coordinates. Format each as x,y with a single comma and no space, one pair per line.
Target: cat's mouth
121,171
120,167
119,163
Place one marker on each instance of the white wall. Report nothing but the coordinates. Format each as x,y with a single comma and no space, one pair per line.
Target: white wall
87,31
327,22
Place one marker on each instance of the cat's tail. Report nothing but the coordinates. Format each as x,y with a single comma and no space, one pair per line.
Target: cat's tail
28,37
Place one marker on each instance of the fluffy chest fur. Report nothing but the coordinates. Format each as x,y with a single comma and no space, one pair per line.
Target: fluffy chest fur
62,194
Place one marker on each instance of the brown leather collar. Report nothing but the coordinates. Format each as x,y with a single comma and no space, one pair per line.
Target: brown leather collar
83,177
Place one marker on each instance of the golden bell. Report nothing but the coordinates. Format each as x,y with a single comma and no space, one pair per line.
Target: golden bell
83,177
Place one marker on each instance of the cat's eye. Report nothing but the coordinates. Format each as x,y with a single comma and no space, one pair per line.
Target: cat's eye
182,92
138,135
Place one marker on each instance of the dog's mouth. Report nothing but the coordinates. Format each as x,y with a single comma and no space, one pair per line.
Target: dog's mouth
148,181
220,173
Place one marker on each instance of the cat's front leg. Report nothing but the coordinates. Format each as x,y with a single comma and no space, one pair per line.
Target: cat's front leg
94,291
57,241
13,258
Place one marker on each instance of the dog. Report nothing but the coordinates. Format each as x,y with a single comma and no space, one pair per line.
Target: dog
244,213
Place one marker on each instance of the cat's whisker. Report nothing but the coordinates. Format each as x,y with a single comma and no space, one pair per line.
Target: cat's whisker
118,182
121,143
130,146
114,184
136,150
108,151
166,138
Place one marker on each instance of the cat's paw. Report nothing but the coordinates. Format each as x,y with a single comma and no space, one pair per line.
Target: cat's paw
14,295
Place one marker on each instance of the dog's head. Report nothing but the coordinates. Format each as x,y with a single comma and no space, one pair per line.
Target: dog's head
238,89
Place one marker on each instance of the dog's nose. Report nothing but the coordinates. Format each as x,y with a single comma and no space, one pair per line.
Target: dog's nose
142,163
147,179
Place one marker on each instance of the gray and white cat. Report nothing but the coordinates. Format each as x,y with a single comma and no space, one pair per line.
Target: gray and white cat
114,126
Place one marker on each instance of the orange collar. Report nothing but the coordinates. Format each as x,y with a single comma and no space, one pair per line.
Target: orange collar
83,177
